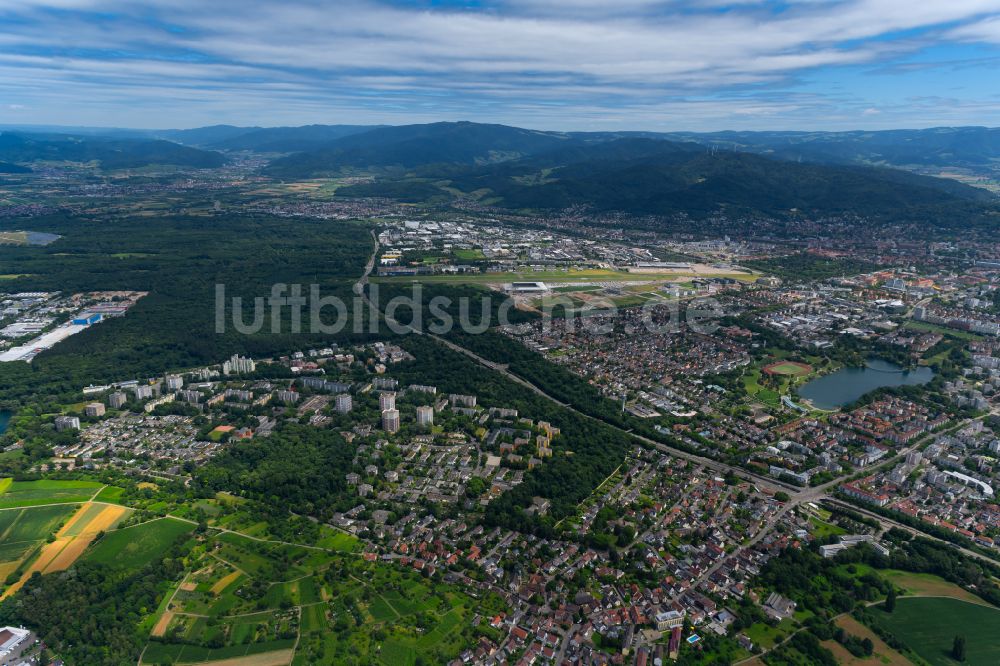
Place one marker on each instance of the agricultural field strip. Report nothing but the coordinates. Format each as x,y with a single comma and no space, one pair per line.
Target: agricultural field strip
50,557
160,628
27,529
276,658
929,630
4,489
10,528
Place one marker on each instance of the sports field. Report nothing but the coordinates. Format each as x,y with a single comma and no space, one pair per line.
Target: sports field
787,369
928,625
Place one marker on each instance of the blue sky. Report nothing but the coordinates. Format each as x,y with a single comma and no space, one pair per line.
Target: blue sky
571,64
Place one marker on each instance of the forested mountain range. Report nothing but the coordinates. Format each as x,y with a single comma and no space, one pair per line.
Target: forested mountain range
279,139
408,146
968,147
111,153
773,173
643,175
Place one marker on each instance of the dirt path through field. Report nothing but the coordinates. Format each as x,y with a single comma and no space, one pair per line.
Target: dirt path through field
224,582
162,624
276,658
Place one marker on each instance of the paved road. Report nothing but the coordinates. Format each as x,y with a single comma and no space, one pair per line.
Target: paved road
679,453
359,286
795,491
797,495
564,644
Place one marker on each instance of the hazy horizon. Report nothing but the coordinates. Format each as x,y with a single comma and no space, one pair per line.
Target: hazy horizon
114,128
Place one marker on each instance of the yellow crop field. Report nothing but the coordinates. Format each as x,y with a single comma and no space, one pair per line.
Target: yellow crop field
72,540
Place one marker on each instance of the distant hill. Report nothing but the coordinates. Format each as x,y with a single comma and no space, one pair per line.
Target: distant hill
205,136
969,147
699,183
110,153
974,148
287,139
7,167
650,176
409,146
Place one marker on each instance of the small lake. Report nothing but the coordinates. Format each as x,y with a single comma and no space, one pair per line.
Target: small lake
4,420
848,384
41,238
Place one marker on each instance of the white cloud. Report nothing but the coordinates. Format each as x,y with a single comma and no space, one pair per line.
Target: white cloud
986,30
518,56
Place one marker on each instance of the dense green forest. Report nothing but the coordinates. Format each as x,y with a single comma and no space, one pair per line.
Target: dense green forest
179,261
414,145
644,176
802,267
298,466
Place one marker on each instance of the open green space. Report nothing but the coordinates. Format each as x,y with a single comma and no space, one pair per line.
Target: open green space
14,237
468,255
47,491
23,529
822,529
943,330
766,636
927,585
751,384
111,494
339,541
134,547
928,625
